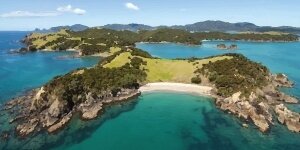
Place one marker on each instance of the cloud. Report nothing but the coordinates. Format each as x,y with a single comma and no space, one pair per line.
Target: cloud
132,6
59,11
70,9
18,14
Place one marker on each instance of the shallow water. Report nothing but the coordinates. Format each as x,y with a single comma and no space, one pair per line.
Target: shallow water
169,121
159,120
162,121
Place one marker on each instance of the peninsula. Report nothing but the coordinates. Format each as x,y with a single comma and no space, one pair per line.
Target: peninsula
239,86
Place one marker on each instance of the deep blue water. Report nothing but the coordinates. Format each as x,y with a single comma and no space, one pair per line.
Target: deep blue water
22,72
161,120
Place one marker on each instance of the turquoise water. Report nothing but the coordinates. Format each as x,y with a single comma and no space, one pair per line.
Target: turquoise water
22,72
161,120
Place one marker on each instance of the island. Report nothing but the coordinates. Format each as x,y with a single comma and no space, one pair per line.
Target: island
239,86
224,47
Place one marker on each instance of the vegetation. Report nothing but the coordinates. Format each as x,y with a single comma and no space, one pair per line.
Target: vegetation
93,40
244,36
234,75
169,35
72,88
196,80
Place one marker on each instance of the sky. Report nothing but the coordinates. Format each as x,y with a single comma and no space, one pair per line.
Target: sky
31,14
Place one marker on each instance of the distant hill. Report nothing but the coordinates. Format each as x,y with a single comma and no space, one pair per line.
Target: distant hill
75,27
287,29
131,27
216,26
219,26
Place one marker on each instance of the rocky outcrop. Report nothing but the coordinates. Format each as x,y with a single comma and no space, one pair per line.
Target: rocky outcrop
261,102
61,123
224,47
241,107
287,117
40,109
221,46
91,111
288,99
27,127
56,108
232,47
91,108
281,80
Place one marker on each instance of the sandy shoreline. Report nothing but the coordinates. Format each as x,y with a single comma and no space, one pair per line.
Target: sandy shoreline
177,87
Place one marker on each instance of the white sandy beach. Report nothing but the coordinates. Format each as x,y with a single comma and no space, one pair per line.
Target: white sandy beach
177,87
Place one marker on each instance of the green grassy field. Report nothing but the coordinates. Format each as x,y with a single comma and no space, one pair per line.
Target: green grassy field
39,42
166,70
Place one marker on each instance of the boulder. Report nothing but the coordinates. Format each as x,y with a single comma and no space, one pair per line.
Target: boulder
60,124
287,117
27,128
91,112
55,108
288,99
282,80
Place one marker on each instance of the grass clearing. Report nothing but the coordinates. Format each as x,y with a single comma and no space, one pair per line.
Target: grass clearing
119,61
166,70
174,70
40,41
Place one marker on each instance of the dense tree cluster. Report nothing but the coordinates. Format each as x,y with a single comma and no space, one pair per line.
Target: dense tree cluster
236,74
139,52
72,88
244,36
90,49
169,35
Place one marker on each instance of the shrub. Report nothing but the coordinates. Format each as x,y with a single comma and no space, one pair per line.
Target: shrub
196,80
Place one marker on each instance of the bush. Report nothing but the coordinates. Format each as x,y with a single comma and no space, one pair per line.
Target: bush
196,80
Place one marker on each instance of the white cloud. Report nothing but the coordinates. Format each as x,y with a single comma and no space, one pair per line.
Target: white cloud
18,14
79,11
132,6
70,9
59,11
67,8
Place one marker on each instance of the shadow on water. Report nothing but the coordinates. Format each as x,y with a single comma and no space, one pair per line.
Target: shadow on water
215,140
75,132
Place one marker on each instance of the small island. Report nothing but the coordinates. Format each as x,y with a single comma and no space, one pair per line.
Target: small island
238,85
224,47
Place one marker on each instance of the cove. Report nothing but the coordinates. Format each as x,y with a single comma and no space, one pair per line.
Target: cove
279,57
162,121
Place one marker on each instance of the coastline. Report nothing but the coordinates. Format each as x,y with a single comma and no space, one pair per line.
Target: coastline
250,41
177,87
